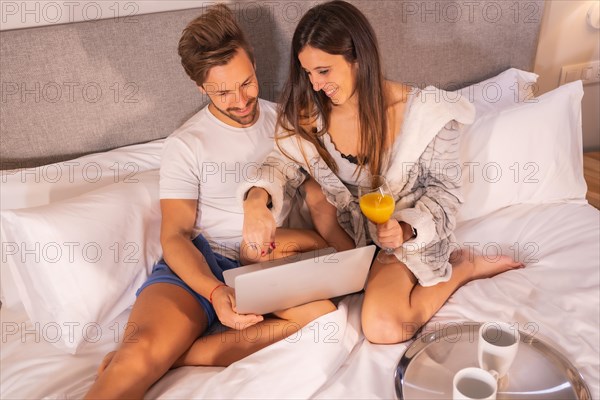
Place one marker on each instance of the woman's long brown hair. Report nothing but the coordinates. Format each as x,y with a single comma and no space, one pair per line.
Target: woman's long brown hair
338,28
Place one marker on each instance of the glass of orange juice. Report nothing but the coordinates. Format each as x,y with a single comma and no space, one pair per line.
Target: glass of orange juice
377,204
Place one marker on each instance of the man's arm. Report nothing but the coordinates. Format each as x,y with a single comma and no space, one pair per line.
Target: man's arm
177,227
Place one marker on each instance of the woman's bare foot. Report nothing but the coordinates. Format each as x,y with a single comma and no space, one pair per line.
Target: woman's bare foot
483,267
105,361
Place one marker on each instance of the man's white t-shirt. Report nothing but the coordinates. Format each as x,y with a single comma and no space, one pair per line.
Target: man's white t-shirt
206,160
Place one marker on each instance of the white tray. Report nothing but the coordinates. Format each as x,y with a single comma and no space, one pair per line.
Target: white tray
428,365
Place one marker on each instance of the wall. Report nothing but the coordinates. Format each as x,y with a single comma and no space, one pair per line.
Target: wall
567,39
18,14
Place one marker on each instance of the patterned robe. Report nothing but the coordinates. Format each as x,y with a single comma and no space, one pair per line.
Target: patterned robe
424,174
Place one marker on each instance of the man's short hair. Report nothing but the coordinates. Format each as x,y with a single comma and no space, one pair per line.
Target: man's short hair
210,40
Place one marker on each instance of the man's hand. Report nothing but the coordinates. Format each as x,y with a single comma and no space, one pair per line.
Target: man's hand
224,304
259,224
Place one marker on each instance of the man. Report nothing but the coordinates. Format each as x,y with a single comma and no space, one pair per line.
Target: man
203,163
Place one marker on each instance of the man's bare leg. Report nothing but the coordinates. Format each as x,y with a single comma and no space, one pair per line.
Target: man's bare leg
151,344
223,349
324,217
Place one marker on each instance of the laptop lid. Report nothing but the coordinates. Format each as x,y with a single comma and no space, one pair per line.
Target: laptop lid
266,287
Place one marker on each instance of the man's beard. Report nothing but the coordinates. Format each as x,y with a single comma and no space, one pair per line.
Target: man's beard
242,120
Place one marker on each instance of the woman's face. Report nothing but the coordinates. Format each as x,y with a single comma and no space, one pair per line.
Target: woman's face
330,73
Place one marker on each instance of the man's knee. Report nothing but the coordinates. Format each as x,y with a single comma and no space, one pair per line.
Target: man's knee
314,196
140,355
250,254
319,308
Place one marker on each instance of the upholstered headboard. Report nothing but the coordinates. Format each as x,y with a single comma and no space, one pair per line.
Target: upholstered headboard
69,90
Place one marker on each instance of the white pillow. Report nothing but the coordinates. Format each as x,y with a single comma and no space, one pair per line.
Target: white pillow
32,187
528,153
504,90
77,263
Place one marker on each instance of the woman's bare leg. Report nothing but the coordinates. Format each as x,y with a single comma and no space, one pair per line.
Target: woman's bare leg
396,306
164,322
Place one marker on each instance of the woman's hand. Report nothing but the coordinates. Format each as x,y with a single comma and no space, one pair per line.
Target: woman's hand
393,234
224,304
259,224
390,234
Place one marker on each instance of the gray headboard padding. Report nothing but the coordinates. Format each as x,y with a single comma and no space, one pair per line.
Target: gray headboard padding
69,90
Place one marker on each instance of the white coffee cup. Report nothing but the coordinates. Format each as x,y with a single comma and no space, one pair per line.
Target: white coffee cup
497,347
474,384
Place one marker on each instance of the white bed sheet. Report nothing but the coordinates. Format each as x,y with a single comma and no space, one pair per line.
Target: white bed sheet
558,292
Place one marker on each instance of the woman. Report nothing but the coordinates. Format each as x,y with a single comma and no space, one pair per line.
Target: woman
342,122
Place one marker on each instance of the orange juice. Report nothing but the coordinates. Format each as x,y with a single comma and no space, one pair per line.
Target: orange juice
377,207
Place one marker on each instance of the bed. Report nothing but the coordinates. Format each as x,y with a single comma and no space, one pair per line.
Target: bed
80,215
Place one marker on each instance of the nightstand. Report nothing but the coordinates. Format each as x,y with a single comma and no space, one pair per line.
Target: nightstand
591,172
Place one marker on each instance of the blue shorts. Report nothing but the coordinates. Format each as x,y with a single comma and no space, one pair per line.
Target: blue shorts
161,273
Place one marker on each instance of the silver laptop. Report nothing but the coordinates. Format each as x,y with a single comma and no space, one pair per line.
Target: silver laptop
276,285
